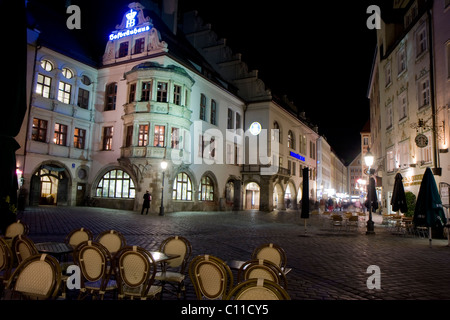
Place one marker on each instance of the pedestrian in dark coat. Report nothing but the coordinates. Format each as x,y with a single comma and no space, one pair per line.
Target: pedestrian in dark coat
147,200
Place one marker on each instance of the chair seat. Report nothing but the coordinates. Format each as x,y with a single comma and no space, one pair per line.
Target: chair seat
136,291
169,276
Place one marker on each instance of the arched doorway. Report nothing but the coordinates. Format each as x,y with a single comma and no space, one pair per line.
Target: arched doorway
278,197
49,186
252,195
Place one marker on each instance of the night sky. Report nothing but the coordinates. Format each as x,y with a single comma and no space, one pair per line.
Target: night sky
317,53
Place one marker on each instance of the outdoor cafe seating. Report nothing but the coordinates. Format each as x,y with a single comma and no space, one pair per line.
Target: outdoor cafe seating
258,289
211,277
172,274
36,277
136,270
264,269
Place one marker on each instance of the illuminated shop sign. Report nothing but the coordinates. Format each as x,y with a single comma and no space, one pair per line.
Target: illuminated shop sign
297,156
131,32
130,23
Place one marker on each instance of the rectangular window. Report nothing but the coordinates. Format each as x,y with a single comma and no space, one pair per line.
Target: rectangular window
146,91
110,96
202,107
139,45
60,135
425,93
64,92
161,95
404,153
389,116
129,137
123,49
388,74
390,163
43,85
143,135
107,138
213,112
83,98
175,138
421,41
230,119
158,140
401,56
79,138
238,120
177,95
402,106
426,155
39,131
132,93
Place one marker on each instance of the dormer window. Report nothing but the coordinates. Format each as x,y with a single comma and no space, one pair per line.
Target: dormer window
123,49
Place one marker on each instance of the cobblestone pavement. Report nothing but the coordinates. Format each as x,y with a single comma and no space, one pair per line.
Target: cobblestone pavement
326,264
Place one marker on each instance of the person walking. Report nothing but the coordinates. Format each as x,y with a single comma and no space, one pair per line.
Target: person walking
147,200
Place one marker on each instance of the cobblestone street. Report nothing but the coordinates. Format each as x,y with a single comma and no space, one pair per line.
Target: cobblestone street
326,264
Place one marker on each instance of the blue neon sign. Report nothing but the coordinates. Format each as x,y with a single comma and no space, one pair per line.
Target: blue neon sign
297,156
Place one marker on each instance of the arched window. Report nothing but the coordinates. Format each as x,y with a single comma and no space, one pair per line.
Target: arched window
291,140
46,65
67,73
206,192
116,184
110,98
276,132
182,187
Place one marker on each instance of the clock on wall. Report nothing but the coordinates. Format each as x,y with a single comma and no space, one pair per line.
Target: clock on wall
421,140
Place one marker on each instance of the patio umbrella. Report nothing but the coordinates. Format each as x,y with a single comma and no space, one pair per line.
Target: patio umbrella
429,211
305,196
398,200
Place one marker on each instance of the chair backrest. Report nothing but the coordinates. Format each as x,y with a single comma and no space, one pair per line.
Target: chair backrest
15,229
135,269
112,240
94,261
262,269
211,277
77,236
177,245
271,252
38,277
23,247
353,218
258,289
6,260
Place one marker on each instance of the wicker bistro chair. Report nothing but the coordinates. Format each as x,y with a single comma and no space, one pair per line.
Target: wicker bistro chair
95,265
6,263
262,269
135,273
173,271
258,289
211,277
77,236
273,253
36,277
112,240
23,247
15,229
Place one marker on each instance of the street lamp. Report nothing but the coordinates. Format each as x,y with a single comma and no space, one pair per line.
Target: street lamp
368,159
163,167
